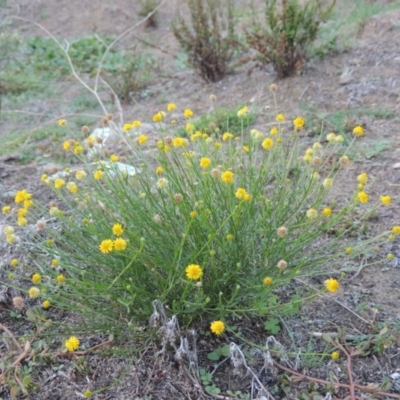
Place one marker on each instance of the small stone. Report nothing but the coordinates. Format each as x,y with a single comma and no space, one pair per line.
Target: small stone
396,166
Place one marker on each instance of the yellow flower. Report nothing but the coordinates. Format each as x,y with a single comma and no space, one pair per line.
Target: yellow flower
246,149
227,177
159,116
46,304
72,343
8,230
267,280
299,123
360,186
189,128
6,209
243,112
21,196
327,183
327,212
117,229
226,136
193,214
188,113
362,178
22,212
142,139
247,197
72,187
22,221
98,175
11,239
162,183
14,262
171,107
159,170
205,162
312,213
390,256
78,149
280,117
60,278
34,292
339,139
196,135
335,355
120,244
240,193
386,200
55,262
80,175
349,250
194,272
136,124
87,393
178,142
106,246
317,146
332,285
274,131
59,183
127,127
396,230
344,160
358,130
255,134
363,197
330,137
229,237
36,278
114,158
267,144
66,145
217,327
217,145
62,122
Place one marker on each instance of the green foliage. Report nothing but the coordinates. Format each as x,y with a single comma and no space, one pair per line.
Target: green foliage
221,120
272,326
29,64
219,352
210,228
210,41
290,29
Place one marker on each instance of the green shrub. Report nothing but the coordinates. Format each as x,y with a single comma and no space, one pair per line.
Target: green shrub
210,41
289,31
213,229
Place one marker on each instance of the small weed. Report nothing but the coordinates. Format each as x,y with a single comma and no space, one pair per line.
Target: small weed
210,41
272,326
219,352
290,29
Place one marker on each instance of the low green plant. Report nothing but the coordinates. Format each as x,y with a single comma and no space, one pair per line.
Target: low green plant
210,227
209,40
219,121
290,28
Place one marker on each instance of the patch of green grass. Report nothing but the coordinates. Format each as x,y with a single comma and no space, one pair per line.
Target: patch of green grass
222,120
338,121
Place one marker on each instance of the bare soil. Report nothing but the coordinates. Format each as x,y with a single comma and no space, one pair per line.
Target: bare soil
365,77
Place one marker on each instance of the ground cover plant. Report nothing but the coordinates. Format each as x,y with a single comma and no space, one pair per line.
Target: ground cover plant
56,263
211,227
